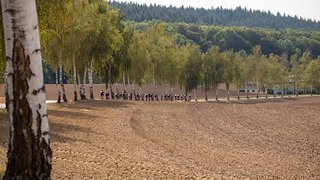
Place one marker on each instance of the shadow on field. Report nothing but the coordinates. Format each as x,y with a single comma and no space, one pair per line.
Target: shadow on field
255,100
71,115
94,104
59,131
4,128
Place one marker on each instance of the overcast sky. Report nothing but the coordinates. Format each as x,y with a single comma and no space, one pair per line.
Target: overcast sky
309,9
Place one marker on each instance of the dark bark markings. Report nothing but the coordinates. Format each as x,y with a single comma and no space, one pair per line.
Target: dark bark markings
26,156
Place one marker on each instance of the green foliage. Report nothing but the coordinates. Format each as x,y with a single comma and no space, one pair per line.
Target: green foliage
312,74
217,16
190,75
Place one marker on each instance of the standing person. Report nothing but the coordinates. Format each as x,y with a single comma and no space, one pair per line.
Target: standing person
107,94
102,94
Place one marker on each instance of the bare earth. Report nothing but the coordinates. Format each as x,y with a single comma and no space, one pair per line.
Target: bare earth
273,139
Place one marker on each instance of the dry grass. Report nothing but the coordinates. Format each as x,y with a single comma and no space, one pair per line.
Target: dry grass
262,139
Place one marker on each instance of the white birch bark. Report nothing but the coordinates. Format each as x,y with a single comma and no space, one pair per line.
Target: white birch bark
84,84
216,91
75,98
61,78
57,85
90,74
90,83
124,80
80,85
29,154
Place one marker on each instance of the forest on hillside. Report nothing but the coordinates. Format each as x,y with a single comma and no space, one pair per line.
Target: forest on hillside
283,42
214,16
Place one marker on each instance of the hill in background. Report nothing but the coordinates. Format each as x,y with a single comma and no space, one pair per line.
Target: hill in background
215,16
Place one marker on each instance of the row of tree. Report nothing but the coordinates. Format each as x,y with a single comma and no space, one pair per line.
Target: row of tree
90,41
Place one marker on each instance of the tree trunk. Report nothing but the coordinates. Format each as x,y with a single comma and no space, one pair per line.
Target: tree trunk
90,74
124,80
106,77
266,91
57,86
84,85
257,82
128,82
61,79
29,152
216,91
80,85
247,92
75,98
153,76
228,91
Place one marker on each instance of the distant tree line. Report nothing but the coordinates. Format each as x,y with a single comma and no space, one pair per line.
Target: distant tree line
159,56
214,16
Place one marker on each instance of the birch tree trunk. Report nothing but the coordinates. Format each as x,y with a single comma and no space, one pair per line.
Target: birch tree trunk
80,86
128,82
61,79
90,74
75,98
84,85
153,76
90,83
238,92
216,91
228,91
124,80
29,154
247,91
57,85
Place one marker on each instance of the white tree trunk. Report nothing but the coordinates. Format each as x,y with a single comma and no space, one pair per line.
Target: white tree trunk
79,84
84,84
238,92
124,80
29,154
90,83
75,98
57,85
90,74
61,78
216,91
153,76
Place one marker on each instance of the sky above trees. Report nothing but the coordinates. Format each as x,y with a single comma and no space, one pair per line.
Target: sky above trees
306,8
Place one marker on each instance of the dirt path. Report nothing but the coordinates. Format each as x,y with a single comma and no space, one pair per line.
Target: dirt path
272,139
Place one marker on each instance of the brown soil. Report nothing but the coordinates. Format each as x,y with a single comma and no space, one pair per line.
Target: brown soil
256,139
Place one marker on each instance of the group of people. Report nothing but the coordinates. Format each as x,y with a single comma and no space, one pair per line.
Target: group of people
142,97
